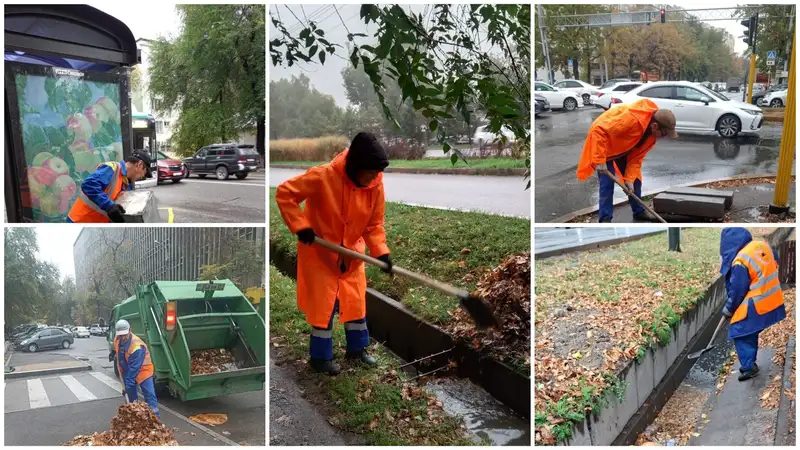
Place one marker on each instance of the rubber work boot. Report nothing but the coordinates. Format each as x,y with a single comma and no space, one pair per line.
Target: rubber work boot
645,216
605,220
321,366
362,356
750,373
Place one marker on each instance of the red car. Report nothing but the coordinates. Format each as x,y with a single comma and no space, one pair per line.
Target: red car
170,169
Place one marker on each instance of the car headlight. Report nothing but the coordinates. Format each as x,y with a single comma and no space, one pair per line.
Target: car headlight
753,112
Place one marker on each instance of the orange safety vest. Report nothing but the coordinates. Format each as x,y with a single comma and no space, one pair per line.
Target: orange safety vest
147,369
765,288
86,211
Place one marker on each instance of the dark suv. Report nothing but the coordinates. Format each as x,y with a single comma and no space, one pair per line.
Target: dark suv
222,160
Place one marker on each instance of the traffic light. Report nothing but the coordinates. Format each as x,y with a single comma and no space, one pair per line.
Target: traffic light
663,16
750,33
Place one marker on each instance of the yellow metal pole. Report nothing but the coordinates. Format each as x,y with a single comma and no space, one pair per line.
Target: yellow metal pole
752,78
780,202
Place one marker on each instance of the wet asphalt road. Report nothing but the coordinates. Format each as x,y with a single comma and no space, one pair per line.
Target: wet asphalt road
550,239
559,139
195,200
67,416
493,195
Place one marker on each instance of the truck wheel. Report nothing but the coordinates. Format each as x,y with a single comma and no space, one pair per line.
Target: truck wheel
202,175
241,175
33,348
65,344
222,173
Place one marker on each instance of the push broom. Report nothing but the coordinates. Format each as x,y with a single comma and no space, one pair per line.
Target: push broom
474,306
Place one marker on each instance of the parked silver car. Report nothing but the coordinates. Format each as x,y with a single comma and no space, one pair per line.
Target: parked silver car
47,338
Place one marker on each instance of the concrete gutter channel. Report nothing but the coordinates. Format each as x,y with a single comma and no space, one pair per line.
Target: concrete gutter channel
411,338
650,383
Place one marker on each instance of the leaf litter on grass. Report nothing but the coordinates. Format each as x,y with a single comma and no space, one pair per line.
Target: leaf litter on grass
506,289
777,337
677,418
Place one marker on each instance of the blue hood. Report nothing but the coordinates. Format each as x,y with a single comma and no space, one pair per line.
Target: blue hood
732,240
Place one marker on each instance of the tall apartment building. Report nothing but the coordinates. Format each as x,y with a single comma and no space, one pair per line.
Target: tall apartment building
161,253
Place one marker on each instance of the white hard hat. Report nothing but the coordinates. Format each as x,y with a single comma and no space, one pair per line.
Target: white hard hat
123,327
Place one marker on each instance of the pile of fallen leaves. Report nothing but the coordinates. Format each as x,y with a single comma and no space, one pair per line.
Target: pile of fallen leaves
507,291
212,361
777,337
134,424
736,182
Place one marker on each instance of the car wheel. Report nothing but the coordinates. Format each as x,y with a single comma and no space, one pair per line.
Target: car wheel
65,344
729,126
33,348
570,104
221,173
202,175
187,173
776,103
241,175
585,99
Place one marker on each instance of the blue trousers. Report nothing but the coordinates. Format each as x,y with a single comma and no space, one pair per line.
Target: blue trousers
148,392
746,350
607,190
355,332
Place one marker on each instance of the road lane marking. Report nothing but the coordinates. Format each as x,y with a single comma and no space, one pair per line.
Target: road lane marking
37,396
78,390
170,215
107,380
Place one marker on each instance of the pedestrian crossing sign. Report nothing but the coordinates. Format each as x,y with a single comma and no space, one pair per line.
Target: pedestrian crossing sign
772,54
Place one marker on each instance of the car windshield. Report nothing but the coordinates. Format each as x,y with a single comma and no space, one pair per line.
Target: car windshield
710,92
248,151
610,83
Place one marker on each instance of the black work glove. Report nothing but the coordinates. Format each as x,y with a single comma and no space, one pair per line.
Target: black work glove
306,236
115,213
111,356
385,258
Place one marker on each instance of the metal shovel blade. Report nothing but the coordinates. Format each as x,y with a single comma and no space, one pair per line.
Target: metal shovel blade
696,355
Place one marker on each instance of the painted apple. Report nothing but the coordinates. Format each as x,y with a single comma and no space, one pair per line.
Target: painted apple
40,158
42,175
95,114
49,203
79,126
86,160
57,165
37,187
80,145
66,189
110,107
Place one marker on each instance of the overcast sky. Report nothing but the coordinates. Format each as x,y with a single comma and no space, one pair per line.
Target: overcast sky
55,245
148,21
327,79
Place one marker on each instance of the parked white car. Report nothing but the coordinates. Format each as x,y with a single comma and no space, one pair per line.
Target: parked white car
776,99
582,88
559,99
81,332
603,97
483,136
697,108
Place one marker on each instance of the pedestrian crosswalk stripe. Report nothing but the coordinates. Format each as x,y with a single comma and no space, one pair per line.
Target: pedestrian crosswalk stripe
78,390
37,396
107,380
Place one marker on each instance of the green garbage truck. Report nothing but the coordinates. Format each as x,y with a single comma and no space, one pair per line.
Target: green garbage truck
180,320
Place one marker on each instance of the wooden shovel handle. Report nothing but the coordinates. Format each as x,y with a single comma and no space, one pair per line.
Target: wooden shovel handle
631,194
443,287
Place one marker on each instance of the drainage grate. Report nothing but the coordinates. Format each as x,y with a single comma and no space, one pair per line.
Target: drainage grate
788,261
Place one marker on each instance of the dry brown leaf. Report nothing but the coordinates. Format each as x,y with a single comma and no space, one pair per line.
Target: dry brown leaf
209,419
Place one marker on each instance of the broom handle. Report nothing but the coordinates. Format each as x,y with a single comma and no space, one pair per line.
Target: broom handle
446,288
719,325
631,194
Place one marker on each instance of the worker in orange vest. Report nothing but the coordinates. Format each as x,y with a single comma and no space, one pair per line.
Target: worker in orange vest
344,204
96,202
617,143
755,298
133,360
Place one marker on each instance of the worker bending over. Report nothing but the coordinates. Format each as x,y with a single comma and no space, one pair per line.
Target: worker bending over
96,202
617,143
136,368
344,204
755,298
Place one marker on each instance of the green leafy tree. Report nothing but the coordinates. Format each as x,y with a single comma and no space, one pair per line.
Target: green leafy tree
213,75
773,33
297,110
443,62
244,263
31,285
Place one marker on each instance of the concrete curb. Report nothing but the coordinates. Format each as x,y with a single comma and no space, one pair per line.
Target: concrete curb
43,372
593,209
594,245
782,424
429,171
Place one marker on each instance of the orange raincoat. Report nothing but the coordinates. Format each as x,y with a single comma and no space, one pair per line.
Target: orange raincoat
342,213
615,133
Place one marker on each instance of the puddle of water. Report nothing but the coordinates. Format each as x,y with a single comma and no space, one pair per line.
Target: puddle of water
482,414
705,371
